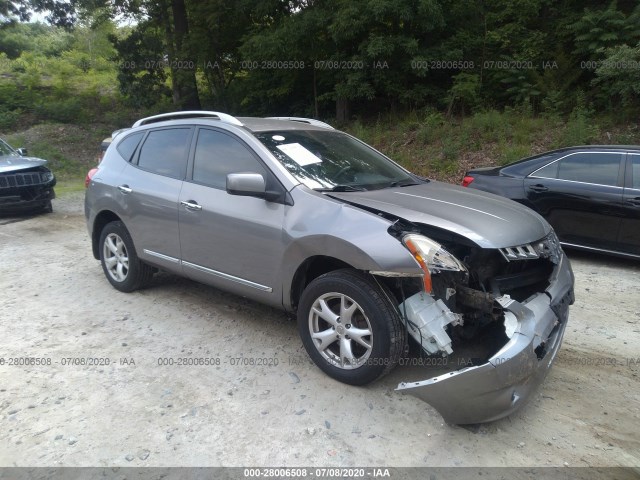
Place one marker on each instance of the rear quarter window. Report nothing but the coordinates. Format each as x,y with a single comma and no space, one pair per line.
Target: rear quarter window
128,146
548,171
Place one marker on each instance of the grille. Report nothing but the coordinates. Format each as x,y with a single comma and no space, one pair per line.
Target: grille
523,252
548,247
20,180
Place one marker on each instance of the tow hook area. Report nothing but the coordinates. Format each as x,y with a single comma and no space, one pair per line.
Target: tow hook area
426,320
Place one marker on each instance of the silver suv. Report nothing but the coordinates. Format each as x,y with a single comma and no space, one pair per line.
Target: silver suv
294,214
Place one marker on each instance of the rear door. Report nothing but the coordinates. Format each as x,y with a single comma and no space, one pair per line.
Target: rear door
150,188
580,195
630,230
230,241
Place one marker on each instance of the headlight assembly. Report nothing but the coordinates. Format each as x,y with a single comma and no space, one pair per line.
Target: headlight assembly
432,257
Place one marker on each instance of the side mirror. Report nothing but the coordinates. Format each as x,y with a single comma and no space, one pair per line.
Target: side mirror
250,185
246,184
22,152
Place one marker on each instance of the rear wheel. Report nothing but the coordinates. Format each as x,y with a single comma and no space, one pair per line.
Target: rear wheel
120,263
349,327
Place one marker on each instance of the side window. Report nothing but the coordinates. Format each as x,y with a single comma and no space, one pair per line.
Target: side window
127,146
218,154
598,168
635,171
548,171
165,152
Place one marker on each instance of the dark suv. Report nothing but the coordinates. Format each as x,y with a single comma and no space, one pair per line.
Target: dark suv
26,184
297,215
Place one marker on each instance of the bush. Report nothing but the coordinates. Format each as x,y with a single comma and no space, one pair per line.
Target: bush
491,125
69,110
511,153
580,128
9,119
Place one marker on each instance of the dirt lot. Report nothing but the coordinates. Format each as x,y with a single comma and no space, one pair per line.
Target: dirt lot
56,305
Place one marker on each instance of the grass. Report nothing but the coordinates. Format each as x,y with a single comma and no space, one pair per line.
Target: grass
425,142
435,146
69,185
71,150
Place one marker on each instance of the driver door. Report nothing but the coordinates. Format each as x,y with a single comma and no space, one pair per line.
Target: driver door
229,241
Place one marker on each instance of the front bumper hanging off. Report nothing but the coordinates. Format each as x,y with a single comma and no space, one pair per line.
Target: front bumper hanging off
499,387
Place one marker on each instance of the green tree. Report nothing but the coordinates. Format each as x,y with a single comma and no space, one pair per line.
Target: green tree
619,75
141,74
599,29
354,51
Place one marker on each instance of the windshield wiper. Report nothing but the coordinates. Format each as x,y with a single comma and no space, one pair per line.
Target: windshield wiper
341,188
407,182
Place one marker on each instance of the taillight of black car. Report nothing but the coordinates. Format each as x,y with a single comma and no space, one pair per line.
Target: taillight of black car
466,181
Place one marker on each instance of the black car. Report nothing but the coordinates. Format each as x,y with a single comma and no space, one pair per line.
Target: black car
25,183
590,195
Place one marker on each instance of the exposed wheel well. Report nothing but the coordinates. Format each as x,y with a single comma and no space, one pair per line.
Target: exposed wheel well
311,269
101,220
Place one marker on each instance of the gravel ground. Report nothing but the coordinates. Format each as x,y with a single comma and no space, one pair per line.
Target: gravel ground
56,305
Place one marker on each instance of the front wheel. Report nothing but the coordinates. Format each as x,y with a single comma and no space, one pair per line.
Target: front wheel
120,263
349,327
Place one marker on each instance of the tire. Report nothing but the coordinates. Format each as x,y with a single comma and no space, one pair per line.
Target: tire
328,331
47,207
120,263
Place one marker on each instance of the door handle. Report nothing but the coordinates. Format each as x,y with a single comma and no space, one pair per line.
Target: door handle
634,201
538,188
191,205
124,189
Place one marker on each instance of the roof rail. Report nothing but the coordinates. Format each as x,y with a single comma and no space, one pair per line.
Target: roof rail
310,121
223,117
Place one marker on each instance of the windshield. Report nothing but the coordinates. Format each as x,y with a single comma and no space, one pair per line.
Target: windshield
5,149
329,160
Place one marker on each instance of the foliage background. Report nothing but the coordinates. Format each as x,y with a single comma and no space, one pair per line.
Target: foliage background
440,85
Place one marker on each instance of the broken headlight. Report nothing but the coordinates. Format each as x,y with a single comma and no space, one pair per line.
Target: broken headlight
46,176
432,257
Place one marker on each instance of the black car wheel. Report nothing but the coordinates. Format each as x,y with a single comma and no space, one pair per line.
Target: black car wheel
349,327
120,263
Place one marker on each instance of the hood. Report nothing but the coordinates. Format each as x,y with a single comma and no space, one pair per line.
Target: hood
9,163
488,220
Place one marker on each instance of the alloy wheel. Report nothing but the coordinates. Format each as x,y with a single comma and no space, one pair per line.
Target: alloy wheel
116,258
340,331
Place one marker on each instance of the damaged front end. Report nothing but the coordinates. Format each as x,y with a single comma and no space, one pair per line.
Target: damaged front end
511,302
25,188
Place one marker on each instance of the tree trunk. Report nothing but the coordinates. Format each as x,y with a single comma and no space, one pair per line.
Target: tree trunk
315,95
342,110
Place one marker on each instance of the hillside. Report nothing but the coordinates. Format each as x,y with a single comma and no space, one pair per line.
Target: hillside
430,145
